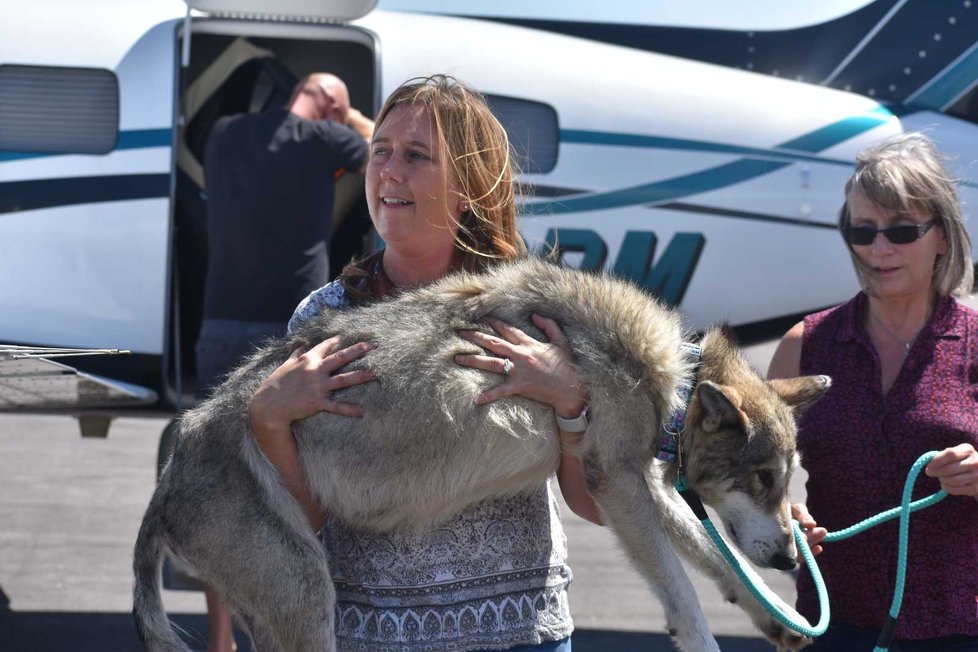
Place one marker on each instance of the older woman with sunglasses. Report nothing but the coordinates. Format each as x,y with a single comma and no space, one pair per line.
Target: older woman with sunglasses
903,356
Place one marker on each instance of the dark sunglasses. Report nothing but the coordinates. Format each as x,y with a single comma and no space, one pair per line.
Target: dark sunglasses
898,235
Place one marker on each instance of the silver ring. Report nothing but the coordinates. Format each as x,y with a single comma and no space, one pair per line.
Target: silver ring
507,366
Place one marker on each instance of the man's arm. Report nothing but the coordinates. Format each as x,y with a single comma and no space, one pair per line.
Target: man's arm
360,123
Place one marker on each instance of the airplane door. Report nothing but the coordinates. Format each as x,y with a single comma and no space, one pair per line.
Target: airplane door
85,235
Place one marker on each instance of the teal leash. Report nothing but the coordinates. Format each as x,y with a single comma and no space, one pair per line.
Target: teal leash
904,511
751,579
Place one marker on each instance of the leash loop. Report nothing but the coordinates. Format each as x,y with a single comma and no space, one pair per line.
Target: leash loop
759,590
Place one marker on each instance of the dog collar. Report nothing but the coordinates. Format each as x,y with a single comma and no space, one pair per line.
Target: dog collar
670,449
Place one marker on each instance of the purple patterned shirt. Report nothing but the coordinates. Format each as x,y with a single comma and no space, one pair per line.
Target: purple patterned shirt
858,446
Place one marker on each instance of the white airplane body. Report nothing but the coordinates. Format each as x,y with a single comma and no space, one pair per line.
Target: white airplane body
716,187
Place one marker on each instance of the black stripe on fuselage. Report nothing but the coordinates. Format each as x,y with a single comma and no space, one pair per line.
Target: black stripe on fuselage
45,193
743,215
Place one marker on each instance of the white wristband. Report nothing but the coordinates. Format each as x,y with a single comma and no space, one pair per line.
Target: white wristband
577,424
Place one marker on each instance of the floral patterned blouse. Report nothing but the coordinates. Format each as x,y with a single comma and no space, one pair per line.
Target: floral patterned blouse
493,577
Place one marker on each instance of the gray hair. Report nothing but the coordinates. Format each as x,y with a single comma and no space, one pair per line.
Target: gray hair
907,173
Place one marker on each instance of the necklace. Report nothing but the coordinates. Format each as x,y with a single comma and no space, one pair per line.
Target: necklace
906,343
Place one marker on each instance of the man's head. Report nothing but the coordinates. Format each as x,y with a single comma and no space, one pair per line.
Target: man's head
321,96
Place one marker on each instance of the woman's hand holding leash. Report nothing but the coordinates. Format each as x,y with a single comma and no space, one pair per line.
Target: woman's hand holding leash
955,467
813,533
957,470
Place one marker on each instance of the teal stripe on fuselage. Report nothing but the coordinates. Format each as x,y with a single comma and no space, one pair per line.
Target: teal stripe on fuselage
131,139
756,162
136,138
955,80
717,177
583,137
660,191
840,131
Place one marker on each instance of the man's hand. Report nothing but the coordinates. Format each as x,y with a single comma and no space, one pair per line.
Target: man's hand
360,123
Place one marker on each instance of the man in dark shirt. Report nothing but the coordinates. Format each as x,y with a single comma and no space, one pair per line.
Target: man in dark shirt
270,187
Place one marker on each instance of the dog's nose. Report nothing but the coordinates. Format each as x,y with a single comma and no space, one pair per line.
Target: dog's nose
782,562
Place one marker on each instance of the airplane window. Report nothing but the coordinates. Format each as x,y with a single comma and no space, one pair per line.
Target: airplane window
533,131
54,109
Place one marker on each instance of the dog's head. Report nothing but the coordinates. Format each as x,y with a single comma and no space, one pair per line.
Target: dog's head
740,448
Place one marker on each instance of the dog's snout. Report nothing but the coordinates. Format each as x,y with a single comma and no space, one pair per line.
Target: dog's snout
782,562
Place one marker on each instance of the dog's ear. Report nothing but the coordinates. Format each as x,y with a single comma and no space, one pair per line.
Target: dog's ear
719,406
802,391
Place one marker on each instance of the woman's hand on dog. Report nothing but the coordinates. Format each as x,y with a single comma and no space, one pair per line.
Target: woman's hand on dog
813,533
304,384
541,371
299,388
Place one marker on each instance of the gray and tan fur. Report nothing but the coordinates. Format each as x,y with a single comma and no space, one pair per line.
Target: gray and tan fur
424,451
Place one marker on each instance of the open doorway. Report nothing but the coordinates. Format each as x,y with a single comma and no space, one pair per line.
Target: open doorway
232,73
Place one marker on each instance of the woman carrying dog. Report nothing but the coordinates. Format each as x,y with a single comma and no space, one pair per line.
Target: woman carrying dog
440,190
903,357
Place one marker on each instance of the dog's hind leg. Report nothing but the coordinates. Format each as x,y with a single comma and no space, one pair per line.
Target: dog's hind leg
276,577
261,636
295,610
298,619
691,539
627,505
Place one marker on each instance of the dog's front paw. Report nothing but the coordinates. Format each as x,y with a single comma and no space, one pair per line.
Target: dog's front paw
784,639
781,637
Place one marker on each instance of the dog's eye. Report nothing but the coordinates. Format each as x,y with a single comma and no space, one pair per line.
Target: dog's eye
766,477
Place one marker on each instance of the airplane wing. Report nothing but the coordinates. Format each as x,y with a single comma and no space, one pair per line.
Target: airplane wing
30,379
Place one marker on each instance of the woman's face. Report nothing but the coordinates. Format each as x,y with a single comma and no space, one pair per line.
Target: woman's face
412,195
895,269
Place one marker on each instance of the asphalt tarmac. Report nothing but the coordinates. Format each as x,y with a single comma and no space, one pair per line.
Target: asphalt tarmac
70,509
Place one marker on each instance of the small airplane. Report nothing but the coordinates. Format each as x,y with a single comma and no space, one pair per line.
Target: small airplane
704,160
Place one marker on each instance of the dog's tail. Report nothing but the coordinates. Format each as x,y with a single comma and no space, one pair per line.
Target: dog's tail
153,627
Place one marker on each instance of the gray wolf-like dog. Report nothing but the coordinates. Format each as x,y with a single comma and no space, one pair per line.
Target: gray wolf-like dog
424,451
